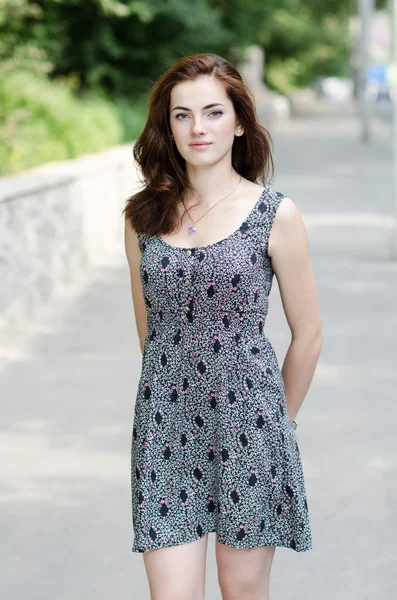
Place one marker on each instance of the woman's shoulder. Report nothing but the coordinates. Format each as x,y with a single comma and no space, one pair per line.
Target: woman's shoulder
287,221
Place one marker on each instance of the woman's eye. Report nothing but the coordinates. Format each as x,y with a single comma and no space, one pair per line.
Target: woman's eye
181,116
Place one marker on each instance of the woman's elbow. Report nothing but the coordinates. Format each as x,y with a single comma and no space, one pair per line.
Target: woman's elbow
312,338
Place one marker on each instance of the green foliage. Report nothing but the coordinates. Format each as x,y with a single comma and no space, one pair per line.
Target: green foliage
121,46
300,45
132,116
42,121
116,46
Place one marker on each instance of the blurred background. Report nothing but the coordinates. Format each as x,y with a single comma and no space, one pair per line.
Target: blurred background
75,74
74,81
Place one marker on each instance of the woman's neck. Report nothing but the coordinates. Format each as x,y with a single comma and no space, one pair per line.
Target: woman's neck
212,183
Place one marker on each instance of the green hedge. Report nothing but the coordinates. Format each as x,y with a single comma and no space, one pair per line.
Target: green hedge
43,120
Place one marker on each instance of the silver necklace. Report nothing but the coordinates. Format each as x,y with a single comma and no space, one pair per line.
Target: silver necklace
192,228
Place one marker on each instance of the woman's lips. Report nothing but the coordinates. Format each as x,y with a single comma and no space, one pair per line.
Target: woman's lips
200,145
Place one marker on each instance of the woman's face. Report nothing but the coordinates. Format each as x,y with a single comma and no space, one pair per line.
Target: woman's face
200,111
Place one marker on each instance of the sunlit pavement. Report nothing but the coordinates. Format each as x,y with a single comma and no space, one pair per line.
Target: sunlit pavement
68,395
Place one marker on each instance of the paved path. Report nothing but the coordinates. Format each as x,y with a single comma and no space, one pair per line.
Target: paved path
68,396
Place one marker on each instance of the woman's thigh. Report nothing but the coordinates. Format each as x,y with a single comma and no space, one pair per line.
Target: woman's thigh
244,574
177,572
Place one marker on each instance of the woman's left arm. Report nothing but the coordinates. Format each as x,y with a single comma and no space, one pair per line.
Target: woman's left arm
289,251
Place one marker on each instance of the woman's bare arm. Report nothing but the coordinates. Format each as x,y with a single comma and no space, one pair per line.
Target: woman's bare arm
290,255
134,257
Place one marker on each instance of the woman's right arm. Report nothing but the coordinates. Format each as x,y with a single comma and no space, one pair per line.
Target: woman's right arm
133,253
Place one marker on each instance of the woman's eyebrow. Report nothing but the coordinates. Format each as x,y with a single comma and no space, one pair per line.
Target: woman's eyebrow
204,107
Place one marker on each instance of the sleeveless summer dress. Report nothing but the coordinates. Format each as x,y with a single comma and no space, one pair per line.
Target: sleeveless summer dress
213,449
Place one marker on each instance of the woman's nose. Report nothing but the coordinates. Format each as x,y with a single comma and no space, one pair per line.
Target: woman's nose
197,127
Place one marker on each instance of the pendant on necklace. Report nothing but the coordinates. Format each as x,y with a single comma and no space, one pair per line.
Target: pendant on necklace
191,228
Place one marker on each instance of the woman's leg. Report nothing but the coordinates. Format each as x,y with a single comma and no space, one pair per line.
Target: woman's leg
244,574
177,572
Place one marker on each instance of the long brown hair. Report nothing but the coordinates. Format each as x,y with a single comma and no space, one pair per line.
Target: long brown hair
152,210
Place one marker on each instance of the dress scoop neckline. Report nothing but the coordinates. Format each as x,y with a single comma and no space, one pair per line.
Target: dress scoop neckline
225,239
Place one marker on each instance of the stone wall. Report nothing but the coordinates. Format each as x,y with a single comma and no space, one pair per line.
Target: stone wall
56,221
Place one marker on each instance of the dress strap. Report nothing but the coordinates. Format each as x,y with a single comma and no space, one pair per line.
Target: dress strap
271,201
142,241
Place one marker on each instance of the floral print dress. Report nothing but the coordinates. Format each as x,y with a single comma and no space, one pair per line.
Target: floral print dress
213,449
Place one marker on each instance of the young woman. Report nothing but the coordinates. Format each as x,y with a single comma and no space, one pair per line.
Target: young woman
214,447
